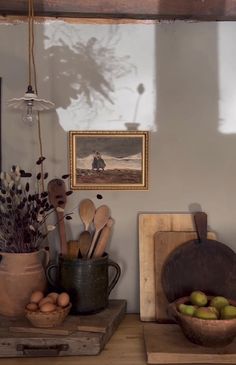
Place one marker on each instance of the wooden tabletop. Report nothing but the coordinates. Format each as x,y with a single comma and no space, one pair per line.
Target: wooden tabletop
126,347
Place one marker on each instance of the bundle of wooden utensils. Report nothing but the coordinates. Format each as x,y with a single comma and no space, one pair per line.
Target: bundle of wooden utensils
97,224
93,240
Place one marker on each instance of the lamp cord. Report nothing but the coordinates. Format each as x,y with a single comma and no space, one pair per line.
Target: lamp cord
29,40
32,63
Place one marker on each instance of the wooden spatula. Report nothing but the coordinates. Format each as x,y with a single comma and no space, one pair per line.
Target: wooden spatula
101,217
57,197
103,239
86,211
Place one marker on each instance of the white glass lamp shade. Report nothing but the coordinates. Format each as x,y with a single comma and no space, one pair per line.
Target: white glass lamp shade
30,100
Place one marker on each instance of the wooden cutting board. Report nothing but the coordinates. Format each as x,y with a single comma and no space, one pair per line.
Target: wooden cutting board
200,264
164,244
149,224
166,344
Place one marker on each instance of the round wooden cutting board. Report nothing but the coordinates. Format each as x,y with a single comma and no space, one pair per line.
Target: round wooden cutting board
200,264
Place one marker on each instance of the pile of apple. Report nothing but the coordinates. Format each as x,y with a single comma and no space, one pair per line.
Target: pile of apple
200,306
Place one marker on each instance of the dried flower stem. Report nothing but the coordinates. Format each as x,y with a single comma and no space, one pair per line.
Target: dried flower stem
23,214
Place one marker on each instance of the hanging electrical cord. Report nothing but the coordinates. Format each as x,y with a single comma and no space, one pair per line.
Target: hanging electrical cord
32,61
30,103
30,42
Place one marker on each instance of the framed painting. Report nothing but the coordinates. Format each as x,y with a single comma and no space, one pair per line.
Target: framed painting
109,160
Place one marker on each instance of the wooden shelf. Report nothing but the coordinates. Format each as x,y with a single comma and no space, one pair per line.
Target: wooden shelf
137,9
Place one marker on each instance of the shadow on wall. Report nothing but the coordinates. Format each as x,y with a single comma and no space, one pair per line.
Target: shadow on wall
87,71
83,72
194,161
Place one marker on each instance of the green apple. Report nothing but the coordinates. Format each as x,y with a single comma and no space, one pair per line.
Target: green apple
219,302
186,309
198,298
205,313
214,310
228,312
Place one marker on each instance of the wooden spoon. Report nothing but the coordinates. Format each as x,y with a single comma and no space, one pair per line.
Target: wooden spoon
57,197
86,211
101,217
85,239
73,249
103,239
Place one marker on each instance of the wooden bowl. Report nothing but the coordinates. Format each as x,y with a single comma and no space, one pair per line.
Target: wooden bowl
46,320
210,333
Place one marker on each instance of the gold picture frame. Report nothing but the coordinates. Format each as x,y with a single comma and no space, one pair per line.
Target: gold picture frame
111,160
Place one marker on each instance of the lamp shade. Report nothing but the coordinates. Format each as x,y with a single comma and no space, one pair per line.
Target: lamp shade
31,98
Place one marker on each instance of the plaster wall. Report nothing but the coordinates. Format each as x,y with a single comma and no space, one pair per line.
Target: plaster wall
188,71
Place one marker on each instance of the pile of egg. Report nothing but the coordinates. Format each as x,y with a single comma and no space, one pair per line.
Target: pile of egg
49,303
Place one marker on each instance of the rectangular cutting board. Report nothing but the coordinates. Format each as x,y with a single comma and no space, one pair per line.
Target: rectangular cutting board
149,224
164,244
166,344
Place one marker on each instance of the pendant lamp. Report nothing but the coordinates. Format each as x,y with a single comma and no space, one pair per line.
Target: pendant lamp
30,103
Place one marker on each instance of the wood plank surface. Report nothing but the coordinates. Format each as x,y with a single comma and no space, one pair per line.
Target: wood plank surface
69,326
125,347
149,224
166,344
148,9
164,244
18,344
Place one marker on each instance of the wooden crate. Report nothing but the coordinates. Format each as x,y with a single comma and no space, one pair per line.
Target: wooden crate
78,335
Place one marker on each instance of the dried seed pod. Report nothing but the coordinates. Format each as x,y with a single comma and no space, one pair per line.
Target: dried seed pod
65,176
40,160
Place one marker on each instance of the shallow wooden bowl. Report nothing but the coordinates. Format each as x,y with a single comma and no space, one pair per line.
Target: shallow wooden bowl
214,333
46,320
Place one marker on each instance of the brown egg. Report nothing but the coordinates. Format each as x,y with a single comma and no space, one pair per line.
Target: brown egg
63,299
47,307
36,296
54,296
45,300
32,307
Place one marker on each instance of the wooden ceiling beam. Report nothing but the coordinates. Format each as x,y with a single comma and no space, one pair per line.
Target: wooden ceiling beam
208,10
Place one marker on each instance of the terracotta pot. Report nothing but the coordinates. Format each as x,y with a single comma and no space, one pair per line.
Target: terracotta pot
20,275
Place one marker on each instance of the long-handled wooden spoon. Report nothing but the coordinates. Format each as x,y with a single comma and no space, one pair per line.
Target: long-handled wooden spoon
84,242
72,249
101,217
57,197
86,211
103,239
